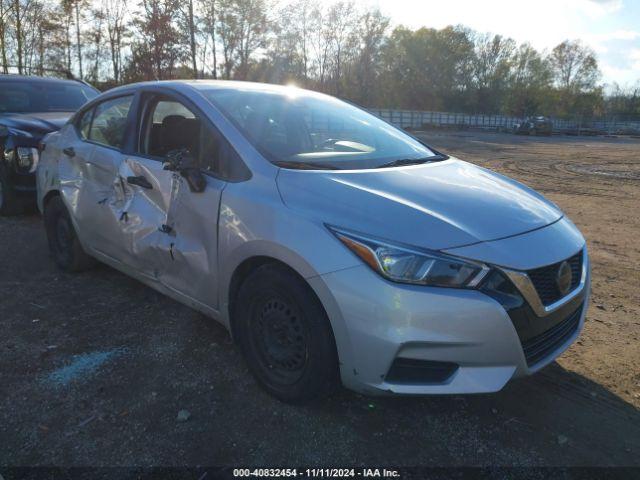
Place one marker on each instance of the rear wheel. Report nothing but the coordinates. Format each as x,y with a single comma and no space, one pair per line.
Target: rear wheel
63,241
285,335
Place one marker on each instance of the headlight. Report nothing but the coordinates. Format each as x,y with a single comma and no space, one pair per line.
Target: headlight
415,266
27,158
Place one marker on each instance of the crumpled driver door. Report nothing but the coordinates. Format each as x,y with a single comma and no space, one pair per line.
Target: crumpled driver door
172,232
145,213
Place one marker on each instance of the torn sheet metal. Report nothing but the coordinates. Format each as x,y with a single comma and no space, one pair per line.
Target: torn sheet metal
162,229
147,223
170,232
194,255
89,182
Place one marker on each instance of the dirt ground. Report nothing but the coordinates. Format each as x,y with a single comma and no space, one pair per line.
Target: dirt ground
95,367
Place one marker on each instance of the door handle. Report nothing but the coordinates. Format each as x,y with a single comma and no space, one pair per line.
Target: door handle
69,152
140,181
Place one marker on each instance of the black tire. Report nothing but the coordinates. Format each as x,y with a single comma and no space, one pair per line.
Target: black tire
285,335
64,245
9,203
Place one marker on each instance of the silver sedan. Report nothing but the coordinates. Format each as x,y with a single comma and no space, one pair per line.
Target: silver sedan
335,247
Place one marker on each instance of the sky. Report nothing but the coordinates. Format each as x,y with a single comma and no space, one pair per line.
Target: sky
610,27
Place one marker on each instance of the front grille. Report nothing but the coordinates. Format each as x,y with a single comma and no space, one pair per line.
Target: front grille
544,279
423,372
539,347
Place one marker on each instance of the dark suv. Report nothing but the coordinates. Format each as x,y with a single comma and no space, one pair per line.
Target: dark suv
30,108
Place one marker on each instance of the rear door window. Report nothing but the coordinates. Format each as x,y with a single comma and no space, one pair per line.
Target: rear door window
110,121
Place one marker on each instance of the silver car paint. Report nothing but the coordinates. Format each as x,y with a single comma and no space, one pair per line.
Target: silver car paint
544,246
383,321
437,205
281,214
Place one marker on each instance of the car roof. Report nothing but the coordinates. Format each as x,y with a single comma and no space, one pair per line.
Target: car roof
9,77
212,84
184,86
237,84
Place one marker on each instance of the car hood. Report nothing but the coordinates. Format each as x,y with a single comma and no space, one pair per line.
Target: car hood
37,124
436,205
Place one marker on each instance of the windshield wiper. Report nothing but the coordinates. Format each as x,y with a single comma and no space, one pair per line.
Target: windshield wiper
306,165
408,161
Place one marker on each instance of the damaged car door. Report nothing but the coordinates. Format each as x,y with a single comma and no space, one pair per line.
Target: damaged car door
171,219
89,177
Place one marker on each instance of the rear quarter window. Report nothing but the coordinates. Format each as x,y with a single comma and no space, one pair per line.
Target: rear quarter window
84,123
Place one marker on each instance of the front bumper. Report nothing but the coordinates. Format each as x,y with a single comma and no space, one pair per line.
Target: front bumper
376,321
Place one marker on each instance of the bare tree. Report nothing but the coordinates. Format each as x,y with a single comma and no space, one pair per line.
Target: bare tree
19,11
158,48
189,20
320,44
341,18
75,7
283,58
252,28
371,33
228,32
529,82
115,12
95,36
67,20
210,19
52,38
242,28
492,65
576,75
575,66
34,17
5,10
296,23
46,31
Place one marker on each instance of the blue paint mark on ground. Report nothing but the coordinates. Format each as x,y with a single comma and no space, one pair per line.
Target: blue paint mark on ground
83,366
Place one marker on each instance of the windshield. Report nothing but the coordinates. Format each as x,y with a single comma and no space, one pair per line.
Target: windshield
40,96
298,129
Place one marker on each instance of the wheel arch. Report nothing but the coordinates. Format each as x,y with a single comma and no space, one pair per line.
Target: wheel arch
49,196
249,256
238,259
316,285
239,275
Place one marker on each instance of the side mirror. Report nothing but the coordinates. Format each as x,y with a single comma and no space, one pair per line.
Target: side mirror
183,162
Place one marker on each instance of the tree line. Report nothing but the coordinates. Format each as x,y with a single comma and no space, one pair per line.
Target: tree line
338,48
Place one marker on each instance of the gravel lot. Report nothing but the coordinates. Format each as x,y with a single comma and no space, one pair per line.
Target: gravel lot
95,367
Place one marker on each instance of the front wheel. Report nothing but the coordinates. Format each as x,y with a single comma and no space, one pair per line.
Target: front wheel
63,241
285,335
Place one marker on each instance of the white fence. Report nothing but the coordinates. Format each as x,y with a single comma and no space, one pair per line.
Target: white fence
418,119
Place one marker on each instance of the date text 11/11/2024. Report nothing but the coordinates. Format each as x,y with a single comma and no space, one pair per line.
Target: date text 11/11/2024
317,472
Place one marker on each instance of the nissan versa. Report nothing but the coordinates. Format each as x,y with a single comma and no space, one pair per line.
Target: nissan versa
334,246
